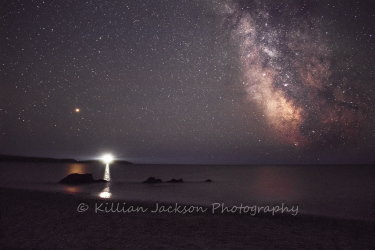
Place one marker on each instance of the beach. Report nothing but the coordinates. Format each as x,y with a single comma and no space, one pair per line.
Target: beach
35,219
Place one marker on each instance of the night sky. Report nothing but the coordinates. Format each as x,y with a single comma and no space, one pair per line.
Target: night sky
220,82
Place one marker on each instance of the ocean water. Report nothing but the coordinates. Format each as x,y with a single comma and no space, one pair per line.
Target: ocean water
334,191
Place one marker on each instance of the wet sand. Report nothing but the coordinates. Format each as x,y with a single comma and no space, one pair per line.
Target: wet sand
33,219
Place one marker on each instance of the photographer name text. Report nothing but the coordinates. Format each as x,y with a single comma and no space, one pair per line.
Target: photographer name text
215,208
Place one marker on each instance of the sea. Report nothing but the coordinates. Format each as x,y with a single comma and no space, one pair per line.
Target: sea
343,191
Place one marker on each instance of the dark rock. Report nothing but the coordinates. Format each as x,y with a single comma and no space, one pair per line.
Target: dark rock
101,180
152,180
176,181
80,179
208,180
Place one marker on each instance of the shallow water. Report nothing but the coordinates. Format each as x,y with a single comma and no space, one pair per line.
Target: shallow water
335,191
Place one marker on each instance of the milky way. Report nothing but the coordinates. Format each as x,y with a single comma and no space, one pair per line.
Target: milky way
286,66
189,81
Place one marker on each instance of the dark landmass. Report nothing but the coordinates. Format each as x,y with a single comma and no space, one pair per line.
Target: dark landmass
176,181
123,162
152,180
80,179
17,158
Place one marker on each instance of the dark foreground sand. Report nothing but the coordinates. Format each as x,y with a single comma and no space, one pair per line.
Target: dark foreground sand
31,219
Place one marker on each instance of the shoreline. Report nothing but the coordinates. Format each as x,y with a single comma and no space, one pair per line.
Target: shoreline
37,219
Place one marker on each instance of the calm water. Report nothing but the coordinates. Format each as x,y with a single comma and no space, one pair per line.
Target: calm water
336,191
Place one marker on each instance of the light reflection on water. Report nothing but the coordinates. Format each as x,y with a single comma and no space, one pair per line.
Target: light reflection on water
107,175
72,189
106,193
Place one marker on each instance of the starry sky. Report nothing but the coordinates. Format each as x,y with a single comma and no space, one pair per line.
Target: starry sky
189,82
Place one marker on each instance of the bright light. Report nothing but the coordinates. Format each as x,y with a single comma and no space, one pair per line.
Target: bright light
105,193
107,158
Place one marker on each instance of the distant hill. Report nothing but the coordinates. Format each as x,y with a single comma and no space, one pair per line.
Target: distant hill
17,158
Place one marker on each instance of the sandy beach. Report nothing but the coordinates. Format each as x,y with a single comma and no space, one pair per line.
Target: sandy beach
33,219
